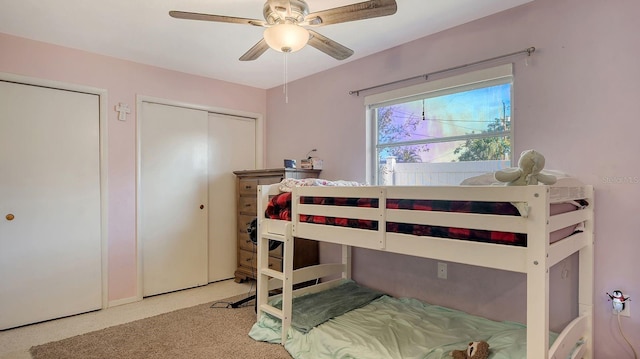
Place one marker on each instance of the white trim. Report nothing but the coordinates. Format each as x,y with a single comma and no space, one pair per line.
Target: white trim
211,109
371,169
123,301
458,83
104,195
469,78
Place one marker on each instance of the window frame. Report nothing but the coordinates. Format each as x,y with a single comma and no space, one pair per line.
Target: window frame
468,81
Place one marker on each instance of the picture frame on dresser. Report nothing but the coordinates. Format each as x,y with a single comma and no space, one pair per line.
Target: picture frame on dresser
247,182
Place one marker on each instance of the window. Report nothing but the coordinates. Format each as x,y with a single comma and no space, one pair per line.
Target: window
443,131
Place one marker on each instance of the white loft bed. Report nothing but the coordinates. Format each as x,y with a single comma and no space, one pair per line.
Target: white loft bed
534,259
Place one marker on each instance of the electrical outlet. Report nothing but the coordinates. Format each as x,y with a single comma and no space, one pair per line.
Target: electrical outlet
626,312
442,270
620,303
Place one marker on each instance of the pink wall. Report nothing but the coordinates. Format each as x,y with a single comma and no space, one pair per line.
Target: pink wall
576,102
123,80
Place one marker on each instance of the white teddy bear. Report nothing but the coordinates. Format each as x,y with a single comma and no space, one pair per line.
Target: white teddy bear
528,171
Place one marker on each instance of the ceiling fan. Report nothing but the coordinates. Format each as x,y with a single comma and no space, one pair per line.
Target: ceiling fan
286,23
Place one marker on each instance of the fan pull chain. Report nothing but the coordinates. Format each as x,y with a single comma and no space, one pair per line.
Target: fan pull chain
285,89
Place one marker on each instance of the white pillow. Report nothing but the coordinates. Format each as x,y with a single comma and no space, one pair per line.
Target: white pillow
288,184
481,180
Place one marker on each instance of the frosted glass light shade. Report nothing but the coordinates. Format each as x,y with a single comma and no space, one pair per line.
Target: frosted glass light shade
286,37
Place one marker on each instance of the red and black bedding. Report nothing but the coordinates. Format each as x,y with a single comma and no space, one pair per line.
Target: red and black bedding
279,207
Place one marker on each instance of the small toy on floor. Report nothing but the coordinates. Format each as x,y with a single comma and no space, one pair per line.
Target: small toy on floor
475,350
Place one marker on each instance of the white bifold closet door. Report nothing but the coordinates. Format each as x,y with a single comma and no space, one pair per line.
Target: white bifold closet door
187,194
50,224
232,147
173,206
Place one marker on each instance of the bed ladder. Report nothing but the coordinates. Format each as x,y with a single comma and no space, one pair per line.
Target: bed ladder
269,279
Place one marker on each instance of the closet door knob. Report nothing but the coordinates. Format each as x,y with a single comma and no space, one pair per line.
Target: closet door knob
10,217
202,206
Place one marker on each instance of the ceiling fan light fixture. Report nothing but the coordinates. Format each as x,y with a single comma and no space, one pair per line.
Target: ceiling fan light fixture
285,22
286,37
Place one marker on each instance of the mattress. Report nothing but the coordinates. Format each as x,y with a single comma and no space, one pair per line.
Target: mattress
279,207
389,327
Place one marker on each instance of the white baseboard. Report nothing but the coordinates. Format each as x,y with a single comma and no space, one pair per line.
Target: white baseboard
117,302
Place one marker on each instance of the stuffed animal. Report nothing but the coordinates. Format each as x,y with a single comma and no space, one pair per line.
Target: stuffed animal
475,350
528,172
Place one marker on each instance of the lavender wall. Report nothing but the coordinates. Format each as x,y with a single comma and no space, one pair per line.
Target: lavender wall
123,80
576,101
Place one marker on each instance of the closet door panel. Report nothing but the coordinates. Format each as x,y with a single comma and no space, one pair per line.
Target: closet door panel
173,205
50,230
232,146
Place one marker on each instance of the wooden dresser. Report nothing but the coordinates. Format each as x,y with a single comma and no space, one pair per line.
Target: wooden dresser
247,182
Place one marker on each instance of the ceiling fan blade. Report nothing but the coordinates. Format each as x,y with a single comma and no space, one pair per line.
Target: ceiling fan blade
329,46
216,18
255,52
353,12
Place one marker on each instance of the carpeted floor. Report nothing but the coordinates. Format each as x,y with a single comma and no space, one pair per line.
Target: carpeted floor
193,333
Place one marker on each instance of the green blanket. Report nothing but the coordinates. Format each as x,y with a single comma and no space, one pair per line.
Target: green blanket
314,309
403,328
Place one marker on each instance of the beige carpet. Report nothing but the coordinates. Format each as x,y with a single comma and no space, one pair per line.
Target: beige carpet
193,333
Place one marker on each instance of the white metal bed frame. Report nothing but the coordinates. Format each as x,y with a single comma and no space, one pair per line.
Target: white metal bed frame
534,260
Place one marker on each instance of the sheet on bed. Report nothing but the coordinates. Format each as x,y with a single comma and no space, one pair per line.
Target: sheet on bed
397,328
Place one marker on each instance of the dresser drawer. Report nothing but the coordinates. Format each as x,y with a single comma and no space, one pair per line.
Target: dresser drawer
245,243
248,186
244,221
248,205
250,260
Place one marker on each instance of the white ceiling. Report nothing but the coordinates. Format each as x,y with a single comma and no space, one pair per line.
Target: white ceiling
142,31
